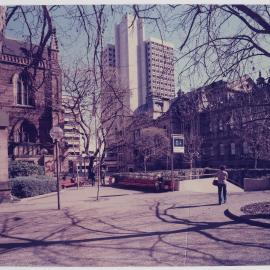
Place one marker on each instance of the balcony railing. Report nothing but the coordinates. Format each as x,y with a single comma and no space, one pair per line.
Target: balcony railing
21,149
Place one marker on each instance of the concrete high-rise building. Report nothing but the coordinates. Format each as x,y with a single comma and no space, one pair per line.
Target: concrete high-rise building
108,57
111,94
130,60
160,69
146,70
159,75
72,134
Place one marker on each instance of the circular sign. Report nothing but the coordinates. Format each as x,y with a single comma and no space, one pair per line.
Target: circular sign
57,133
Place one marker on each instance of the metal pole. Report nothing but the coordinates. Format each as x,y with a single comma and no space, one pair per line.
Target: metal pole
97,164
173,182
172,165
57,176
84,170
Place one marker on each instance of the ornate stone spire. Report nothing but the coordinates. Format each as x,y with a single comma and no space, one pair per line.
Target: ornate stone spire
54,50
54,41
260,80
2,24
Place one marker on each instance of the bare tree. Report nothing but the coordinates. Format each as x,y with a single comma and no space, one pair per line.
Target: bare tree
152,144
217,40
79,86
186,113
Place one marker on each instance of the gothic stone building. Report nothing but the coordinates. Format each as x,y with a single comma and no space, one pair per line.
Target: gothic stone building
223,124
30,94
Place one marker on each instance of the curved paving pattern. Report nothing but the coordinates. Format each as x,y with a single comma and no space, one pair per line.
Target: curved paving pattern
132,228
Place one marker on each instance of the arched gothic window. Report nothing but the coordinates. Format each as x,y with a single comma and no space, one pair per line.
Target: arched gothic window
26,132
23,94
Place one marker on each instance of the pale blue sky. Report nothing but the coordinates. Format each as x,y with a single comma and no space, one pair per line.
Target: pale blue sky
73,43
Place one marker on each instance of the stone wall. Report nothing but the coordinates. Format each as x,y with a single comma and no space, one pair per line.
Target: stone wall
4,186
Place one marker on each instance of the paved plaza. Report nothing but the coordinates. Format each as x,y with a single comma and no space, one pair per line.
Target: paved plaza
135,228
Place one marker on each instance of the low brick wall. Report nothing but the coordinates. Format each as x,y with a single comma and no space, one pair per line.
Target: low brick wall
237,176
253,184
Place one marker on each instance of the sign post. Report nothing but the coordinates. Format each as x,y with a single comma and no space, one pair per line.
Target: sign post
57,134
178,143
177,147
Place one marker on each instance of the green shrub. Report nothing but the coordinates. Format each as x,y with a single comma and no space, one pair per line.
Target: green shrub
24,168
29,186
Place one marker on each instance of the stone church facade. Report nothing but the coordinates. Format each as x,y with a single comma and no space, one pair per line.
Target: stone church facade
30,94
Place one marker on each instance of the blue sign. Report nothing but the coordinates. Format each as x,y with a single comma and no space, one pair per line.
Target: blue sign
178,143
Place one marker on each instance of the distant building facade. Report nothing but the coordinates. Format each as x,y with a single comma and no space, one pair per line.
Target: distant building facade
219,122
72,134
224,123
138,78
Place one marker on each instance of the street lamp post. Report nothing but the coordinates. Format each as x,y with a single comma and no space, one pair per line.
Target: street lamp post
57,134
84,170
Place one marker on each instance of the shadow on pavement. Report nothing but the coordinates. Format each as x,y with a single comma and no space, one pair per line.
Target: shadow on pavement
195,206
108,196
75,231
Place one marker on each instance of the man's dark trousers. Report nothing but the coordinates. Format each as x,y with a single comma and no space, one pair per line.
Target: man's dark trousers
222,190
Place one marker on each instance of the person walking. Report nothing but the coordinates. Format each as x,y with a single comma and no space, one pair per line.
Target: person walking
222,177
91,176
103,174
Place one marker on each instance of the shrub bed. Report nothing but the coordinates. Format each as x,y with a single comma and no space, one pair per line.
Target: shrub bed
29,186
24,168
261,208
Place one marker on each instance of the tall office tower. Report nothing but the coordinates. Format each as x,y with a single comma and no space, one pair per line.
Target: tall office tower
160,75
111,96
108,80
108,57
160,69
111,106
130,61
146,70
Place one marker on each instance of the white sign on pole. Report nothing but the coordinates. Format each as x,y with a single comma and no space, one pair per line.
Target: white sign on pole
178,143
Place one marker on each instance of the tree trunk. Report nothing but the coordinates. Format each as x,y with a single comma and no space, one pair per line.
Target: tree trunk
144,162
191,167
256,163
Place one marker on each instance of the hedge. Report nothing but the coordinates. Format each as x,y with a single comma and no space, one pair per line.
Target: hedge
177,174
29,186
24,168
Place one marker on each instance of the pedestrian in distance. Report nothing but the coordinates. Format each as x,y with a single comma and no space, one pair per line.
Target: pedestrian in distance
92,177
222,177
103,174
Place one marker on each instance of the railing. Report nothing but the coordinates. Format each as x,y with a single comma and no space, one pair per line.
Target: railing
188,176
22,60
19,149
201,176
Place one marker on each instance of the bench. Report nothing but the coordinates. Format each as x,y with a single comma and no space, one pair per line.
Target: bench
65,183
